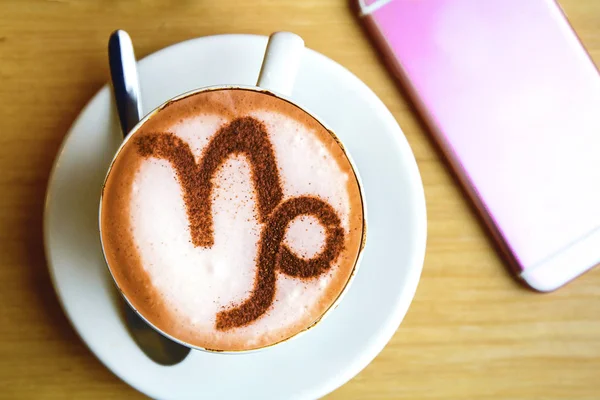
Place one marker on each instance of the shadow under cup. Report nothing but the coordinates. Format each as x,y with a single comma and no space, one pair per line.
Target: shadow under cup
275,213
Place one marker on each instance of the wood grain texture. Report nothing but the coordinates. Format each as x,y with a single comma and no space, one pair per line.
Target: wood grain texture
472,332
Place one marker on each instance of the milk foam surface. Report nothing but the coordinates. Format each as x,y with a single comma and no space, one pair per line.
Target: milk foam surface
191,285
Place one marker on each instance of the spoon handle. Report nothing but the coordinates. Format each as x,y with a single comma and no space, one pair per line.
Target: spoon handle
125,81
126,89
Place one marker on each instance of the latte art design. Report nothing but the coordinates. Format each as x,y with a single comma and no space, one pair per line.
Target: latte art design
248,136
232,219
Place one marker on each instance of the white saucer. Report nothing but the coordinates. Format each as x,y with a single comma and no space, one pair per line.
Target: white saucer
325,357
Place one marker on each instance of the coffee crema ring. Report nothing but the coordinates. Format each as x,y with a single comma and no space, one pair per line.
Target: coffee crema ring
247,136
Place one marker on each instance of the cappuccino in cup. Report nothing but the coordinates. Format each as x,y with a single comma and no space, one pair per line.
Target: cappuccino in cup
232,219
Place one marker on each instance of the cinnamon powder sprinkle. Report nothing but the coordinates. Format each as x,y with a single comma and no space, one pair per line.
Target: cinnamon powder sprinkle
274,255
247,136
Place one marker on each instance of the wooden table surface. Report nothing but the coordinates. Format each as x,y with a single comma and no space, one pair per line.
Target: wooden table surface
471,333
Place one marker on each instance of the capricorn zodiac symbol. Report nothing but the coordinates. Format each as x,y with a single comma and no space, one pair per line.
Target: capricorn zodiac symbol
248,136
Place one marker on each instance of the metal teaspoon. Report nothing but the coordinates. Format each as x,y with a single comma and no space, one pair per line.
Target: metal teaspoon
126,90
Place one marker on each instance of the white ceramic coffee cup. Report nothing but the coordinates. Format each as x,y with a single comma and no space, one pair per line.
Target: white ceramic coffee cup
277,75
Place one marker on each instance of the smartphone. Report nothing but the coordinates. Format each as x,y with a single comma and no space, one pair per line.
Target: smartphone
512,98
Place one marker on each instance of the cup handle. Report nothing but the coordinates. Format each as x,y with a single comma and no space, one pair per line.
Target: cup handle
281,62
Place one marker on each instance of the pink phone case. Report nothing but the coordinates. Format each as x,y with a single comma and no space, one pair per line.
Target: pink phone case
513,100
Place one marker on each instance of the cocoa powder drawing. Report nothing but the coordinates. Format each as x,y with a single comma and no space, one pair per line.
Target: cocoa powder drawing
247,136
